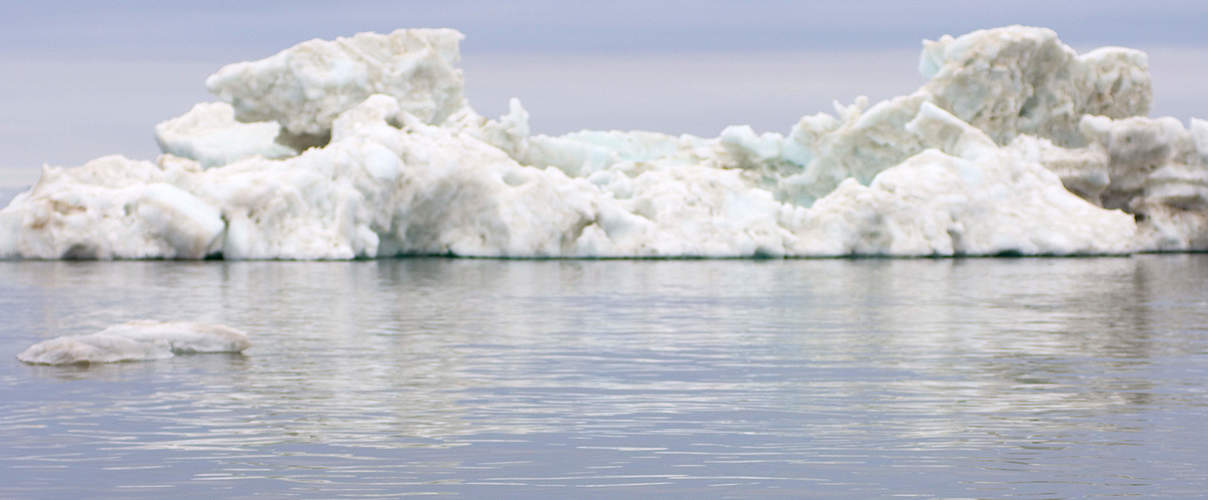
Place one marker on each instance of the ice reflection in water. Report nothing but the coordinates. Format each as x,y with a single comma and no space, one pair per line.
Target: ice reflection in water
967,378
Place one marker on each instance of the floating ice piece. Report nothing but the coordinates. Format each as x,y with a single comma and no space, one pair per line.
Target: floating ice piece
137,341
209,134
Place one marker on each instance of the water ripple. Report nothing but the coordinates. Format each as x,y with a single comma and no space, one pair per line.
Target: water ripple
1027,378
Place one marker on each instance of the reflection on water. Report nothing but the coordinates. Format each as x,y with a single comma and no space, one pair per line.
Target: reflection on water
1029,378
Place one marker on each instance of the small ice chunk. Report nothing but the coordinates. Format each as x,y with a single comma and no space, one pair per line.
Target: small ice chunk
137,341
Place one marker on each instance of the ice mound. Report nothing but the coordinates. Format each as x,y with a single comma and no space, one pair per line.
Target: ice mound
366,147
1152,168
112,207
137,341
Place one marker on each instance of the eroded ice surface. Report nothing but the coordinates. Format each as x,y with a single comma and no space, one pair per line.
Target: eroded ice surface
137,341
365,147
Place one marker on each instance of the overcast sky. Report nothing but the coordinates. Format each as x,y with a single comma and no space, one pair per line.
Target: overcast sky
87,78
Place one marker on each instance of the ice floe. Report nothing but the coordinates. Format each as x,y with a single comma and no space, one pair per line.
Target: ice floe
137,341
366,147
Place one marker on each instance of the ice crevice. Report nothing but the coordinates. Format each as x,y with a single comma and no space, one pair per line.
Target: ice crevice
366,147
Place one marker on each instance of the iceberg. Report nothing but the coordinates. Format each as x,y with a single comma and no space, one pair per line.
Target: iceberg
366,147
137,341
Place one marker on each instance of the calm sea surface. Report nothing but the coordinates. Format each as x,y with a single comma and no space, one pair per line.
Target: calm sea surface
1020,378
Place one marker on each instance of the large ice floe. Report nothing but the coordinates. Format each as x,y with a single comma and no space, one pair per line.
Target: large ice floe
137,341
367,147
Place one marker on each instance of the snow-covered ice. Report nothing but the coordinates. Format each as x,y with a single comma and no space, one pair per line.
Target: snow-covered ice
366,147
137,341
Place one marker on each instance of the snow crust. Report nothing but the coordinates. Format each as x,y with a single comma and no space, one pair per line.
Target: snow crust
365,147
137,341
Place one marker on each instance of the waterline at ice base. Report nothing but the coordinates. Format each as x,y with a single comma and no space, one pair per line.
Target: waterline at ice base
366,147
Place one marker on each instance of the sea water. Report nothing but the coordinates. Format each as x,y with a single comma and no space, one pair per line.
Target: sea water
1023,378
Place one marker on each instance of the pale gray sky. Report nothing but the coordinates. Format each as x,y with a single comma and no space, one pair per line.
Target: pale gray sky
84,79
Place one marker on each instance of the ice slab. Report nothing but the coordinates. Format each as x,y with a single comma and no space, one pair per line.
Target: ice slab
137,341
209,134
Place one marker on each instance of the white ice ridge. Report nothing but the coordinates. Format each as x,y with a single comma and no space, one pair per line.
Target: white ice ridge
1015,145
137,341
